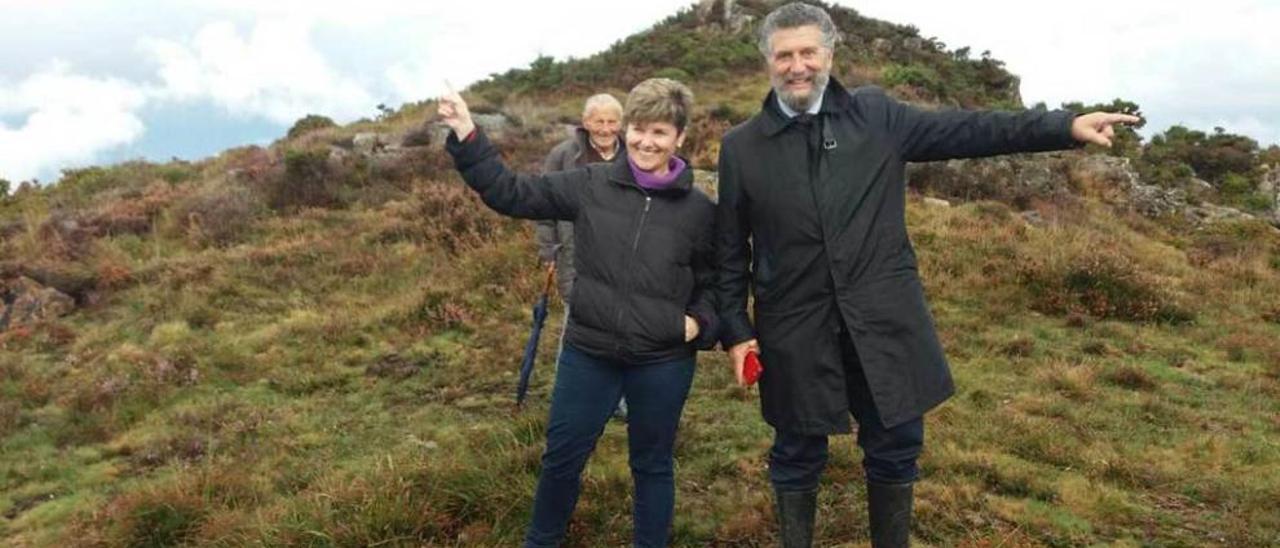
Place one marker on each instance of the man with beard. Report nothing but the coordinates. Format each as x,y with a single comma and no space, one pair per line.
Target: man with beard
811,217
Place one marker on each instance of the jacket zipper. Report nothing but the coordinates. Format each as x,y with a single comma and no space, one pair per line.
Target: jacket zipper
635,247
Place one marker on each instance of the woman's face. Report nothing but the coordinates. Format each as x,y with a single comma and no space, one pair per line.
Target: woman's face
651,145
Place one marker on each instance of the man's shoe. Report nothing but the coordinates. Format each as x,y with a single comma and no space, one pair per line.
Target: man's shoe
795,517
889,510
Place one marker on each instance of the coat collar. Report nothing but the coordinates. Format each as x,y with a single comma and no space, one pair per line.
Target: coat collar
772,121
620,173
584,141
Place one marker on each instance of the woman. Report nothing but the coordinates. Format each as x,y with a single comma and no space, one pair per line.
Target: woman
641,302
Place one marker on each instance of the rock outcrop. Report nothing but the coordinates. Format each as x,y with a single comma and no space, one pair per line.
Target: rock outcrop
724,13
26,302
1021,179
1014,179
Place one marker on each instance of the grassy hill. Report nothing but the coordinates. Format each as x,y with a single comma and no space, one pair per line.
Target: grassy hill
306,344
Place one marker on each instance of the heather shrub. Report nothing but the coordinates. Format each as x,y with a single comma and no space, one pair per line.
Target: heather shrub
74,278
1228,161
917,76
1102,284
1239,239
309,123
216,215
673,73
251,163
134,212
308,180
177,512
419,136
1016,180
65,235
446,214
87,186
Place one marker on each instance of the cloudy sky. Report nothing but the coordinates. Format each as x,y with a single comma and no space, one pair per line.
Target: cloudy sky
96,81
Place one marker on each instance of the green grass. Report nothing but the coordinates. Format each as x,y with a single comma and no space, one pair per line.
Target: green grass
227,401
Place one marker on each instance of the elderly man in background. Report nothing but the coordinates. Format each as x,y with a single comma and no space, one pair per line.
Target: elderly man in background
597,140
811,221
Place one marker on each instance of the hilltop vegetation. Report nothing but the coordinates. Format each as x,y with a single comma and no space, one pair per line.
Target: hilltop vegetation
315,343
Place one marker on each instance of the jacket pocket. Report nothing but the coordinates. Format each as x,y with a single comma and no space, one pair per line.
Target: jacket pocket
660,324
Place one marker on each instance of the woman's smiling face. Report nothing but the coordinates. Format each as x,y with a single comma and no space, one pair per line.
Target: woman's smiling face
650,145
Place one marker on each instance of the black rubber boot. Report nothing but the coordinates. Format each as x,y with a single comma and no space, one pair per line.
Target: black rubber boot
795,517
889,510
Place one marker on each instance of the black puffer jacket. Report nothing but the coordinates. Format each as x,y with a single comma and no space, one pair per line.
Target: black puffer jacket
643,257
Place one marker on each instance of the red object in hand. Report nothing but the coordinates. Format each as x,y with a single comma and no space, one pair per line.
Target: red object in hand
752,368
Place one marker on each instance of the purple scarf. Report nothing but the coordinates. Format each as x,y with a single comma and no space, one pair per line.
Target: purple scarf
650,181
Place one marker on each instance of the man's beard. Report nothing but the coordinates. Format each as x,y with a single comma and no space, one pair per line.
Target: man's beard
802,102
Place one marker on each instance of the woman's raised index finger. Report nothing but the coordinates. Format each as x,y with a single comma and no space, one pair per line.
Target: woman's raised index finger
1125,118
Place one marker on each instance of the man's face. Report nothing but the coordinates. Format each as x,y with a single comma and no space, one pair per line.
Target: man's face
799,65
603,124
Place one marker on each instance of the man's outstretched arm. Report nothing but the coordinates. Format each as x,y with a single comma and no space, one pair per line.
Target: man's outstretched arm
924,135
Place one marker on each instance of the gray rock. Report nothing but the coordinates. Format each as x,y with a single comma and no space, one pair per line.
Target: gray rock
1211,213
1198,190
1270,181
27,302
882,46
1013,179
337,154
1270,186
1148,200
495,126
724,13
368,142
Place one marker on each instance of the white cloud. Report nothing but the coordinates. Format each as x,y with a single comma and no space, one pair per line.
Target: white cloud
65,119
274,72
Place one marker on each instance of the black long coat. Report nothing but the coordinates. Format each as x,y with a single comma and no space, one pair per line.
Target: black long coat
811,217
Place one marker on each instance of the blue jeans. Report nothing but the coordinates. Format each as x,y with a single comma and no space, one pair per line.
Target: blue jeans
621,410
796,461
586,392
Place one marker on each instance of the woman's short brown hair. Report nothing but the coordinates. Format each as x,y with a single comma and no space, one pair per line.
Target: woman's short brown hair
659,100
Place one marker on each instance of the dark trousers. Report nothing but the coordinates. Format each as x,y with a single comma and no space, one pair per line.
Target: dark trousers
586,392
796,461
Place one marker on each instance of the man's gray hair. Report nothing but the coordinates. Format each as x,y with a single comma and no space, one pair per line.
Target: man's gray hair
798,14
601,100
